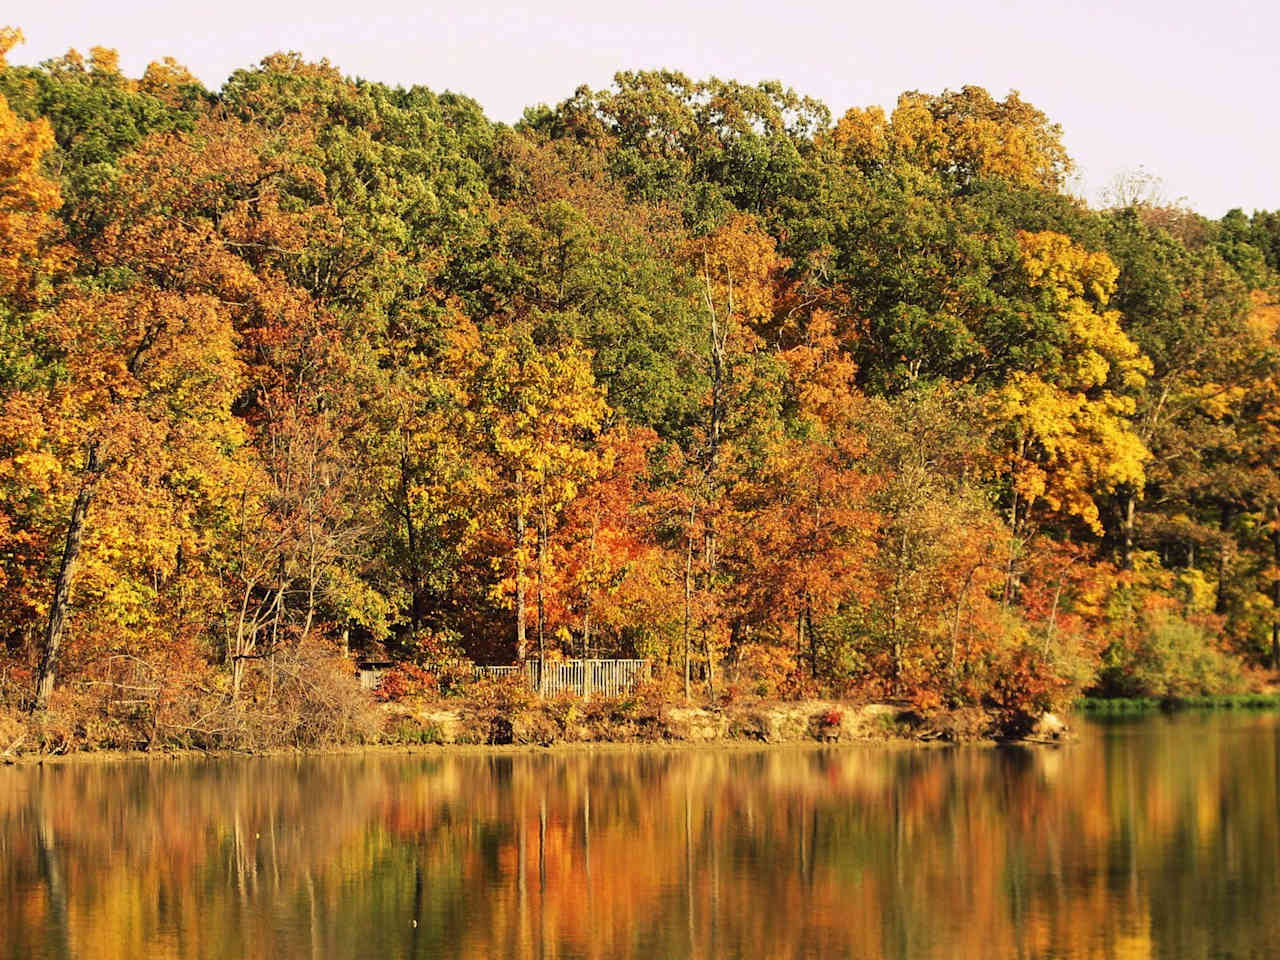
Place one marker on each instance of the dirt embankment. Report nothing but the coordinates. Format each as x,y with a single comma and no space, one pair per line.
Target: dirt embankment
568,722
806,721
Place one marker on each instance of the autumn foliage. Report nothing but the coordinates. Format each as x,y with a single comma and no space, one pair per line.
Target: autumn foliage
310,366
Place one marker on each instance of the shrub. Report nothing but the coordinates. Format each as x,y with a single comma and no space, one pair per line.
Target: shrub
405,680
1169,656
565,709
766,670
13,730
408,731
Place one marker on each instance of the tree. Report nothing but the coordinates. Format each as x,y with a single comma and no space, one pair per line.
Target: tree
27,201
539,411
736,268
106,433
799,531
962,134
1069,423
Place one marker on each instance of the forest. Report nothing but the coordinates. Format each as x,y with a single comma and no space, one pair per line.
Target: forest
869,406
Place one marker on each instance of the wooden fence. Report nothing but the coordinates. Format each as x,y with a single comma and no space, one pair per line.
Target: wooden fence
611,678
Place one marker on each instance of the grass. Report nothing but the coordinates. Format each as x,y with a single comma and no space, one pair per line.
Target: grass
1226,701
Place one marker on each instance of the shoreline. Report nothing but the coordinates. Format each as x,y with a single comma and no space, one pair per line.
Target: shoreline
390,750
1102,706
441,729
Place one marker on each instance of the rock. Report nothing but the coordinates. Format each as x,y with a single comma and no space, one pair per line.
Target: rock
447,722
777,723
694,725
1050,727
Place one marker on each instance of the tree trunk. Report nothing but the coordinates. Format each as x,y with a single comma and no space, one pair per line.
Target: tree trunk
813,639
719,336
955,623
895,612
1013,553
542,609
706,650
66,578
1220,596
411,542
521,644
1275,604
590,597
730,661
688,596
1126,543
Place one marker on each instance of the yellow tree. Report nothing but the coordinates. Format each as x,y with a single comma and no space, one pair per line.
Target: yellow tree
27,197
1069,423
540,410
143,371
137,423
965,133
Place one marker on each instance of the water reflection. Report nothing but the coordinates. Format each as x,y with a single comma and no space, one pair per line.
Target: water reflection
1157,839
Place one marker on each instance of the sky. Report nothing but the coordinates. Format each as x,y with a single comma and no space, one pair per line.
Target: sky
1186,91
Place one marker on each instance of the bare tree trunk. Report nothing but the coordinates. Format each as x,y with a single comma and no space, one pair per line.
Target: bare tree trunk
1052,626
244,642
278,613
730,662
1011,573
313,580
57,623
586,613
955,623
719,337
895,612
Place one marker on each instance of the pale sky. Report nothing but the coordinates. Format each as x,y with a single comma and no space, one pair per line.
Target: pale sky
1188,89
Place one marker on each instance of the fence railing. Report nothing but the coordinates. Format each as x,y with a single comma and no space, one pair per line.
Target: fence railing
610,678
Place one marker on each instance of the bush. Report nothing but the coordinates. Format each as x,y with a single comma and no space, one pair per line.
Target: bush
408,731
766,670
497,703
405,680
13,730
565,710
1170,657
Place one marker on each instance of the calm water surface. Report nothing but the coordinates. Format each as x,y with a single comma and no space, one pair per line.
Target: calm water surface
1158,838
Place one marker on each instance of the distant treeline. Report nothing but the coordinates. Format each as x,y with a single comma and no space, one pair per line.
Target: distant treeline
685,370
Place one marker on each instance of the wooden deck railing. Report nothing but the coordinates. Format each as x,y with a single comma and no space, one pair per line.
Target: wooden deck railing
610,678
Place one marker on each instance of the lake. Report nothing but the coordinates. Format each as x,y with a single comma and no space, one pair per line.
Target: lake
1151,838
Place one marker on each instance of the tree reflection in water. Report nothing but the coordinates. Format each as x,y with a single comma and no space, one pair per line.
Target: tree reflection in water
1160,838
